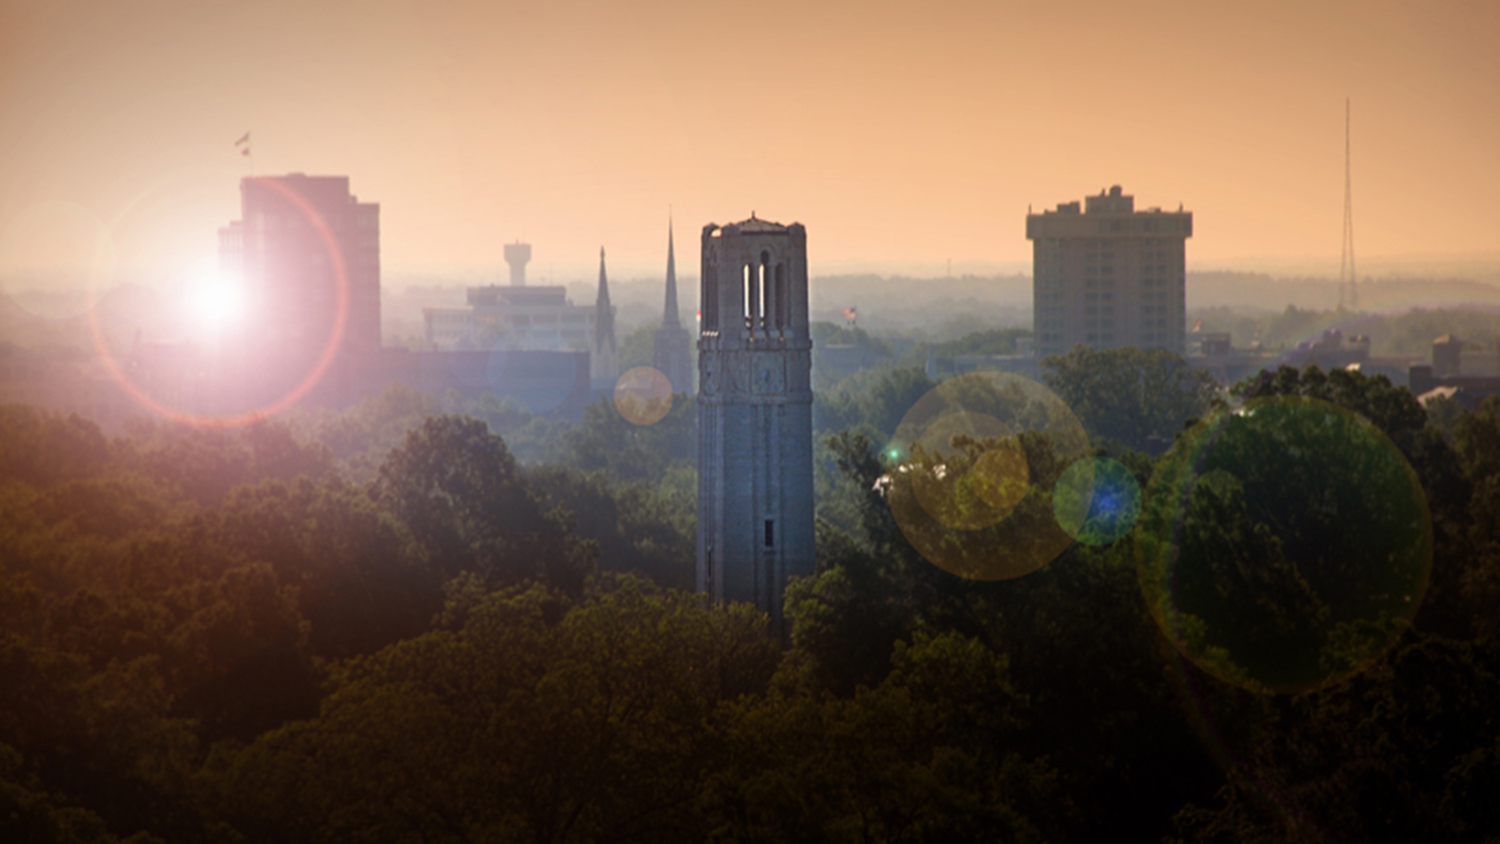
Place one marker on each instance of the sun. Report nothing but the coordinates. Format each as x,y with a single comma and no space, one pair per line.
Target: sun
215,301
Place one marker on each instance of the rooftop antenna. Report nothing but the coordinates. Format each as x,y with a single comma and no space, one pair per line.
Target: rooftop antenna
1348,279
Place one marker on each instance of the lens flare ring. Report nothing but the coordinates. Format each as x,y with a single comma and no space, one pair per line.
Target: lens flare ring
1285,546
643,396
979,456
297,392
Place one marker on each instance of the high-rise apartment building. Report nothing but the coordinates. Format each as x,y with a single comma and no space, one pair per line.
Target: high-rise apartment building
1107,275
307,253
755,484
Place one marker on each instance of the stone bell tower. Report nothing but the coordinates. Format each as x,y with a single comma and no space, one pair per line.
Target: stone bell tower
755,488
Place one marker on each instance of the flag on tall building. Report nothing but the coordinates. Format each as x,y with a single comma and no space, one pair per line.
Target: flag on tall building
244,142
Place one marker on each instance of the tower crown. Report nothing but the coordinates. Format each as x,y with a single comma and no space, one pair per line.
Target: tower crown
754,282
755,225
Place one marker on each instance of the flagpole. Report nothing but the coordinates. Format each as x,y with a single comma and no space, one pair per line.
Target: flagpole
245,148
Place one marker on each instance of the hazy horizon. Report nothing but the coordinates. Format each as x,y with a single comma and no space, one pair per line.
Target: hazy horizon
902,137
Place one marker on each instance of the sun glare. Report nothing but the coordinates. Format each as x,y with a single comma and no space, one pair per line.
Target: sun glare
215,301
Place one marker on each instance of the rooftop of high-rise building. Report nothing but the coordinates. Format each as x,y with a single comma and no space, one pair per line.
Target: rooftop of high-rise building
1111,201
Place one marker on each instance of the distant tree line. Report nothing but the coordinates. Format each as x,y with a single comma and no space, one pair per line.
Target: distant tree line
383,625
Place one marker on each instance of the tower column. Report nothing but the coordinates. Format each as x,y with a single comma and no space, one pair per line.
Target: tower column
755,498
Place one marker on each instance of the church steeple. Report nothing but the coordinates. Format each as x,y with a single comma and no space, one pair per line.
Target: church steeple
604,358
671,353
670,317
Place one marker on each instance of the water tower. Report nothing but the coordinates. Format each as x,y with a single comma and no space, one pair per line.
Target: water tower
517,255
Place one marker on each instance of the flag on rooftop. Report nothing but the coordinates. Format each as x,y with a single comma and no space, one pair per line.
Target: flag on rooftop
244,139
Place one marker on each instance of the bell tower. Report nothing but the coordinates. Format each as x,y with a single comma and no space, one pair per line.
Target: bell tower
755,489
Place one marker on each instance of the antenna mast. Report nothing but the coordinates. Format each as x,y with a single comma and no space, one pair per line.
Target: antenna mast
1348,279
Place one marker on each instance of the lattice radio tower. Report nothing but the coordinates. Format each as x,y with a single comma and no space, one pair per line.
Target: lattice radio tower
1348,279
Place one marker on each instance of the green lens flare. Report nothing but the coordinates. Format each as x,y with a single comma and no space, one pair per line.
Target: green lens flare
973,491
1284,546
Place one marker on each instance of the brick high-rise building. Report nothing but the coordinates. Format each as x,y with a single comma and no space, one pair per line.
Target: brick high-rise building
1108,276
301,246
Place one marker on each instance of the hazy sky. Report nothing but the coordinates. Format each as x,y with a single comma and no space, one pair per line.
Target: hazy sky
905,133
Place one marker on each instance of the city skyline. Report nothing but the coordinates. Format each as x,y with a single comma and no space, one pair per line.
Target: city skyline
904,139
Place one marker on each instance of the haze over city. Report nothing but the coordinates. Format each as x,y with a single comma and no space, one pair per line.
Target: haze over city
591,421
903,135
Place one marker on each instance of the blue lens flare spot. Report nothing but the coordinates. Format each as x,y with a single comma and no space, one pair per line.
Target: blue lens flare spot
1096,501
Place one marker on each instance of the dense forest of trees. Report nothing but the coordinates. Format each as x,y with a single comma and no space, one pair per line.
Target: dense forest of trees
399,624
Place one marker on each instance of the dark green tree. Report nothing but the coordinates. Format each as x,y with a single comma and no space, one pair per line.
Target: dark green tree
1137,398
932,753
42,449
1446,485
607,442
361,580
460,493
638,526
524,719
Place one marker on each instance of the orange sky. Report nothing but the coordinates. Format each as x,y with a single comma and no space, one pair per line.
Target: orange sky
901,134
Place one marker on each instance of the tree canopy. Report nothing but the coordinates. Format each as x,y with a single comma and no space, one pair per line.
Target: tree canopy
384,625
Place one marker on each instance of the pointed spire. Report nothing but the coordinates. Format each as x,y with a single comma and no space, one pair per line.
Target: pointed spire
670,317
604,315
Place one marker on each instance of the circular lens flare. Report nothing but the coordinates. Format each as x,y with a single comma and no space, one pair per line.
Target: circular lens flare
1284,546
973,493
1001,477
957,477
1097,501
643,396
